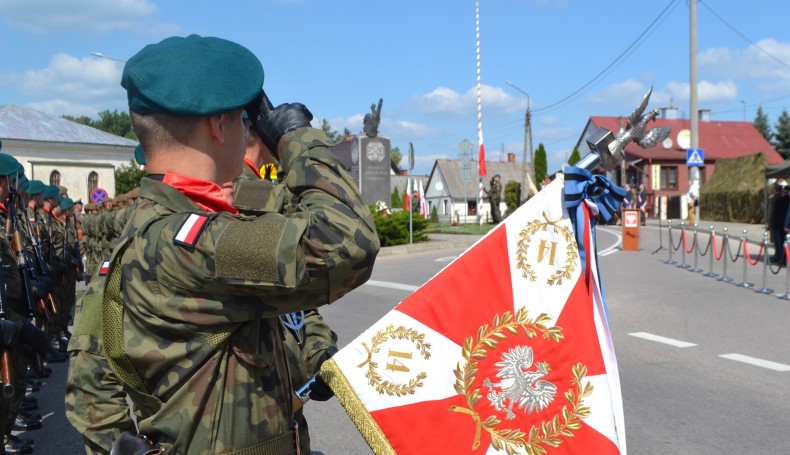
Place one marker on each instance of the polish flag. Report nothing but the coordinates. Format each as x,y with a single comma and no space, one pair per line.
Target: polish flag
423,203
407,197
506,350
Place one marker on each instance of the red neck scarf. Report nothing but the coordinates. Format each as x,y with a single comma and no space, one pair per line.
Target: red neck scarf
252,166
207,195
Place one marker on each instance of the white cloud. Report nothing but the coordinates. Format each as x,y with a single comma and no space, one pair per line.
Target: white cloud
58,107
73,78
763,60
707,92
43,16
446,101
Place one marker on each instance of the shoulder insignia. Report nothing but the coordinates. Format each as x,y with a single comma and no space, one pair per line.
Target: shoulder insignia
105,267
189,232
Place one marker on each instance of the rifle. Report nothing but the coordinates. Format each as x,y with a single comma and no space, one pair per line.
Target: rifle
46,305
6,370
25,272
78,252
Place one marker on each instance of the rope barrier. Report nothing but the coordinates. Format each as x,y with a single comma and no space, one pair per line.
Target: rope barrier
744,283
764,247
717,254
786,295
711,241
695,244
686,245
725,246
748,256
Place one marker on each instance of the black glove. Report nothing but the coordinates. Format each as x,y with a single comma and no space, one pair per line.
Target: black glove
7,334
34,338
272,123
319,390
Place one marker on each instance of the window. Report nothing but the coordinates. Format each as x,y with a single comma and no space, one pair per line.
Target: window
93,182
669,177
54,178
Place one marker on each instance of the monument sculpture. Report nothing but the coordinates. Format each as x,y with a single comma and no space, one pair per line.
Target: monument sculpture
372,120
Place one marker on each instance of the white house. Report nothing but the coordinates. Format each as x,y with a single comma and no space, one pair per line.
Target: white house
61,152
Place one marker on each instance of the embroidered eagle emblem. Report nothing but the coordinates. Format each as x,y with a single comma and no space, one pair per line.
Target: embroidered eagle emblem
520,386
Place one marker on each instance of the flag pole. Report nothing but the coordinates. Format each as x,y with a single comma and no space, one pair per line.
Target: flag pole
481,162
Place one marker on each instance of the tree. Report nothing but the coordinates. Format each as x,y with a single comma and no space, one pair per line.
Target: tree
333,135
782,136
541,166
395,201
117,123
575,157
762,125
128,177
512,196
396,156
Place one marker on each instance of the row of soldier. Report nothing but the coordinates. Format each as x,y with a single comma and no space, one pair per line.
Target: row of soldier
41,260
102,224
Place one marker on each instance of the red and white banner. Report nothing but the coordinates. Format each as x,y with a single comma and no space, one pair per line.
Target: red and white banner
407,196
506,350
423,202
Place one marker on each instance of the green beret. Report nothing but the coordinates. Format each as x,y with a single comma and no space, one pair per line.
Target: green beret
197,76
51,191
139,155
23,183
36,187
66,203
1,145
8,165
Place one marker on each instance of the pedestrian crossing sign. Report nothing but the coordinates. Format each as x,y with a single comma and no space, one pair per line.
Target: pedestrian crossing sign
695,157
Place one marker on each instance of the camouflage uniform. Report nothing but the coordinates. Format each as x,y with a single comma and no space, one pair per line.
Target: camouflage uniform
207,398
95,400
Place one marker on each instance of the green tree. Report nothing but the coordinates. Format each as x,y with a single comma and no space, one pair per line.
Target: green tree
512,196
575,157
434,215
395,201
128,177
762,125
782,136
396,156
333,135
117,123
541,166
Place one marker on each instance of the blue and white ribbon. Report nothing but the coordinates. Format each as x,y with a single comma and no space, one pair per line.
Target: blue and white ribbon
600,195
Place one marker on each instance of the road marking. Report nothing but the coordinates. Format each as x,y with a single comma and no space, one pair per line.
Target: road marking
445,259
387,284
616,246
664,340
756,362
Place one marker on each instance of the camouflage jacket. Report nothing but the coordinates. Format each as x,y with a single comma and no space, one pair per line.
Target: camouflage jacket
184,287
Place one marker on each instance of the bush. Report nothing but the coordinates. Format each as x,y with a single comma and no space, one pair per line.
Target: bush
512,194
394,229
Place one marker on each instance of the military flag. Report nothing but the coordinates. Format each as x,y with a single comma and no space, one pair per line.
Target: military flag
423,202
505,350
407,197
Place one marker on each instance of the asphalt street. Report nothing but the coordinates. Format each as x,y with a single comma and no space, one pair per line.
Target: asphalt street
703,362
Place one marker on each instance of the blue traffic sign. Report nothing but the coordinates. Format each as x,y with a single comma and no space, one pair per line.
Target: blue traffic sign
98,195
695,157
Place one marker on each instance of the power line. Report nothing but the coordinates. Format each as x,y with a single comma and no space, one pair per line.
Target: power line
650,28
742,35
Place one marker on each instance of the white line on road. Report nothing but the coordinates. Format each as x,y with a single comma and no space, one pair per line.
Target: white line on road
387,284
660,339
616,246
445,259
756,362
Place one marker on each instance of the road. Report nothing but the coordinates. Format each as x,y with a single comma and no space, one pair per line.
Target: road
704,364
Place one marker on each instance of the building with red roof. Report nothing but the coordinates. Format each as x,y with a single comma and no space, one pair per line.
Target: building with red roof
663,169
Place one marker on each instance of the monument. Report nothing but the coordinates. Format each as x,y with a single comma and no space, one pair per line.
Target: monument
367,158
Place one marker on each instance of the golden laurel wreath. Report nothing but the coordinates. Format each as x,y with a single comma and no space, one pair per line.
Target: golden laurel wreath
388,387
570,256
551,432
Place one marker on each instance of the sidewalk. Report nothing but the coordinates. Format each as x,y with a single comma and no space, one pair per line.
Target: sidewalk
435,242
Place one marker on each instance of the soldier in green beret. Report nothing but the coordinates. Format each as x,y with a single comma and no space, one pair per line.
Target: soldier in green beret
14,309
183,281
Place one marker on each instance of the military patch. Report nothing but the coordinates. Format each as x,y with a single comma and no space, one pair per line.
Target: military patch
189,232
105,267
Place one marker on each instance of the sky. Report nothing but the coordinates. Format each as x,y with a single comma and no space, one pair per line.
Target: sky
565,60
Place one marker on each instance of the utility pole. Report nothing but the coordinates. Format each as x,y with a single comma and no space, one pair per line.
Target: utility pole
466,157
527,143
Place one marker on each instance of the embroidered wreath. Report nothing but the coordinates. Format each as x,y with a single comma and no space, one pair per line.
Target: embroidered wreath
525,238
375,379
551,432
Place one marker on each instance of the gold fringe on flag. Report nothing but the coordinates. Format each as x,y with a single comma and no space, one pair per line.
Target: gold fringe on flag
331,374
